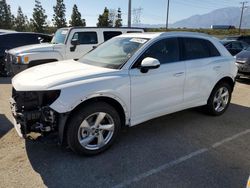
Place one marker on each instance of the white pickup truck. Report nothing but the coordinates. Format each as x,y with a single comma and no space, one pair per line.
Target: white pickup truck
67,43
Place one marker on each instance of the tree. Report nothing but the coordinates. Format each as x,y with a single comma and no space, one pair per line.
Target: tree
118,21
59,14
103,20
38,22
6,19
21,21
76,18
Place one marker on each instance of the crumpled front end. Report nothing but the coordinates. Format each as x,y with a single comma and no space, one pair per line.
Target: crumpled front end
32,113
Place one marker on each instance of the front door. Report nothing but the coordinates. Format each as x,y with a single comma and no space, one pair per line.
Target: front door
159,90
87,40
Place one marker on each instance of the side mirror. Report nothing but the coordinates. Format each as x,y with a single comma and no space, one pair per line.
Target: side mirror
74,43
149,63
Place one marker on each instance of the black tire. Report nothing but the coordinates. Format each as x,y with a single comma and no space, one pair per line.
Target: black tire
210,107
82,114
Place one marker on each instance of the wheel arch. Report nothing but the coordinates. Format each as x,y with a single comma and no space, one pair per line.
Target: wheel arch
122,111
228,80
225,79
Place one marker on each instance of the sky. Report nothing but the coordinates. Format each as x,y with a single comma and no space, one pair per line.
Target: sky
153,11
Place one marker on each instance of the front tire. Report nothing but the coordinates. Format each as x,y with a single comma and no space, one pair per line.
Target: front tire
219,99
93,128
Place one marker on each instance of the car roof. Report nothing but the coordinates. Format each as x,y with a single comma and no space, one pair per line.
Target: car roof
21,33
112,28
150,35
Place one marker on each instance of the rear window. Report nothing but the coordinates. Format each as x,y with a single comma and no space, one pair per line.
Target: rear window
110,34
16,40
86,37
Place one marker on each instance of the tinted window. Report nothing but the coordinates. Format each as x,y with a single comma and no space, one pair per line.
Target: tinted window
86,37
110,34
246,39
212,49
236,45
45,38
194,48
165,51
16,40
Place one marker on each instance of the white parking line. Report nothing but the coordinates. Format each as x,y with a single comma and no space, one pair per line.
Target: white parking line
179,160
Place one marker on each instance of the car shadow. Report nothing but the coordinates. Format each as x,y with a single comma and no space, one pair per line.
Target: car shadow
5,80
5,125
244,80
139,148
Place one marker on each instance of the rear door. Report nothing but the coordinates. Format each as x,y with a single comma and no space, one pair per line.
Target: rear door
202,62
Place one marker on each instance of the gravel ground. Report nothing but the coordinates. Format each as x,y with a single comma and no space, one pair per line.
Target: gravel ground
184,149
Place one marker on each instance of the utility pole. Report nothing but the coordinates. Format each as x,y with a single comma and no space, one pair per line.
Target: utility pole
242,11
167,14
129,13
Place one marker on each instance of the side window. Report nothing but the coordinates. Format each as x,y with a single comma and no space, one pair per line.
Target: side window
166,51
212,49
110,34
244,45
45,38
27,39
236,45
246,39
86,37
195,48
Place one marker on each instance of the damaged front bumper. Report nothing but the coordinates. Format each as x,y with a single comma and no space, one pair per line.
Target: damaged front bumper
32,113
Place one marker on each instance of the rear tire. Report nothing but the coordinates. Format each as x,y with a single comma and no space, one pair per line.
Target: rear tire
219,99
93,128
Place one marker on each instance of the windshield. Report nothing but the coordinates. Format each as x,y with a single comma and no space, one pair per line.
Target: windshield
60,36
114,53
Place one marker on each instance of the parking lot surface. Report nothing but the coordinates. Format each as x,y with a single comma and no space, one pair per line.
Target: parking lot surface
184,149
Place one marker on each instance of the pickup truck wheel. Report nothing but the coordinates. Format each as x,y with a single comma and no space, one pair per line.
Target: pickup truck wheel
219,99
93,129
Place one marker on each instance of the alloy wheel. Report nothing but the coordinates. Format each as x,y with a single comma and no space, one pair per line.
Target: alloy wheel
96,131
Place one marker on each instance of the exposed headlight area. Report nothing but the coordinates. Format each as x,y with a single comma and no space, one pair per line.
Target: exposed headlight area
32,111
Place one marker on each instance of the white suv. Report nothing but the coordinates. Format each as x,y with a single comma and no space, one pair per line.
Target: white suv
127,80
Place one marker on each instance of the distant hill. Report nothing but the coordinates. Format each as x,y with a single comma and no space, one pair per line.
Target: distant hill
223,16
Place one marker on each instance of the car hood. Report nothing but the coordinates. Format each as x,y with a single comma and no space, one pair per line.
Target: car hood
58,74
34,48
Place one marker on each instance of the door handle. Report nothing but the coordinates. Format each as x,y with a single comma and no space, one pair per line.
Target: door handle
178,74
217,67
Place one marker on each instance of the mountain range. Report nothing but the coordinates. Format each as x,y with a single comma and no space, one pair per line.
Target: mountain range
223,16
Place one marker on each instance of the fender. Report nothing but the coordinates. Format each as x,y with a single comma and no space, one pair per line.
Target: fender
42,56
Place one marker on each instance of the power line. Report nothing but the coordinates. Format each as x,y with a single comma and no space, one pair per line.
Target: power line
242,12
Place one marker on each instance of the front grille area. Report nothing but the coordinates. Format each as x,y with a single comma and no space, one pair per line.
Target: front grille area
26,100
31,110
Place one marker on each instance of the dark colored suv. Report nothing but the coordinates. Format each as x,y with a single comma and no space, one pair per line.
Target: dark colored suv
244,38
13,40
